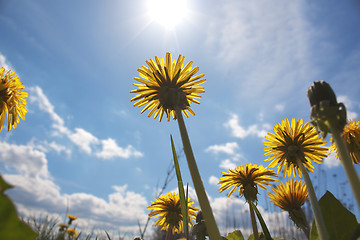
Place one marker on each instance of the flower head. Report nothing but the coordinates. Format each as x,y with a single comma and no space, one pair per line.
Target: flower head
351,136
12,99
71,218
72,232
290,198
166,85
168,208
247,178
294,142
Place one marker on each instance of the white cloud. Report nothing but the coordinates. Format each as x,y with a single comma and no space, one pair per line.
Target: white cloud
110,149
227,164
5,64
240,132
279,107
213,180
331,161
228,148
35,189
85,140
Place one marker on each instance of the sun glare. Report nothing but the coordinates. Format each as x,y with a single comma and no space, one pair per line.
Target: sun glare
168,13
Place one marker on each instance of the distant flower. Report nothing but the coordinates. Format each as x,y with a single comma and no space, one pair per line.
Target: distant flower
351,136
290,198
12,99
166,85
71,218
168,208
72,232
62,226
247,178
290,143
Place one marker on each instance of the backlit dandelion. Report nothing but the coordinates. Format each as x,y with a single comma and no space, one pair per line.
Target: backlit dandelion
12,99
167,207
247,178
291,197
166,85
351,136
294,142
72,232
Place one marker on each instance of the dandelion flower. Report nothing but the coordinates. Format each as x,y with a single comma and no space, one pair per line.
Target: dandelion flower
294,142
247,178
290,198
166,85
12,99
71,218
351,136
72,232
167,207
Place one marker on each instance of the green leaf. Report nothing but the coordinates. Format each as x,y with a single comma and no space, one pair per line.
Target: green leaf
262,222
236,235
340,222
183,199
11,227
261,236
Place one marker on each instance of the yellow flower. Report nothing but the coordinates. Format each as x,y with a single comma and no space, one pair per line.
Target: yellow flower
168,208
290,198
166,85
351,136
72,232
12,99
292,143
71,217
247,178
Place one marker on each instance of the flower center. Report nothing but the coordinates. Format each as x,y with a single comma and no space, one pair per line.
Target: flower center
171,97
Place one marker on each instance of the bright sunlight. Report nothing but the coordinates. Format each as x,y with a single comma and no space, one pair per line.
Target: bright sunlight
168,13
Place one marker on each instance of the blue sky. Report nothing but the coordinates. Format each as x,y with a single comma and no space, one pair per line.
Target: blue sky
83,144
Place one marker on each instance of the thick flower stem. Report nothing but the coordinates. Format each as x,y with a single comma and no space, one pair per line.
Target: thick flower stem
319,220
211,226
346,162
253,222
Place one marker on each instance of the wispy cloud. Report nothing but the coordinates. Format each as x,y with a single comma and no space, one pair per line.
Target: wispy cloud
86,141
5,63
241,132
227,164
228,148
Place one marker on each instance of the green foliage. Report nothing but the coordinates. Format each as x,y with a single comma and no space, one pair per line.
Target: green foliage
340,222
11,227
236,235
183,199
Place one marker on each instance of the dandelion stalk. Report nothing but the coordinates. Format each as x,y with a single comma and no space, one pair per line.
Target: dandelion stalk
195,175
320,223
253,222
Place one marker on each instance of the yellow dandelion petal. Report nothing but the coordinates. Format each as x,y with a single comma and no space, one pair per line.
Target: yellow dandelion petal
71,217
167,207
291,142
12,99
249,175
166,85
72,232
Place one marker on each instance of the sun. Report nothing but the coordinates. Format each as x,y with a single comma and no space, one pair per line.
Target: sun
168,13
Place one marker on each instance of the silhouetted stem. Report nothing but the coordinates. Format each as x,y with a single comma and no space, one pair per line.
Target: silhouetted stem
319,220
346,162
208,215
253,222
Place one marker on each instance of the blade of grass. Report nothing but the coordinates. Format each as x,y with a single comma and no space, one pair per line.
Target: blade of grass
262,222
183,200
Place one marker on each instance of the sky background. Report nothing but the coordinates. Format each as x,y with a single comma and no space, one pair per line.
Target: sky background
85,148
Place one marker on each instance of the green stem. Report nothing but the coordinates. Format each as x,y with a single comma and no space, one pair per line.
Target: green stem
253,222
211,226
346,162
319,220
